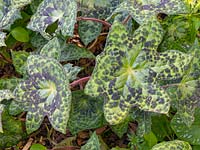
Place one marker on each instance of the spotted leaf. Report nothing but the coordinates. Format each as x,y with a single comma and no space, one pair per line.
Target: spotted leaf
52,49
190,134
45,93
86,112
6,94
19,3
50,11
92,144
176,144
2,38
125,73
143,10
72,71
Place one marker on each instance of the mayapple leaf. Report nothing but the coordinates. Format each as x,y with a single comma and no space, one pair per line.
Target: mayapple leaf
92,144
190,134
6,94
142,10
86,112
19,60
12,131
50,11
73,52
176,144
9,83
89,30
19,3
2,38
72,71
127,71
52,49
45,93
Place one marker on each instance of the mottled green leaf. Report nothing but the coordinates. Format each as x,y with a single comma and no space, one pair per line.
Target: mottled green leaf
20,34
176,144
86,112
51,49
6,94
1,110
34,5
12,131
143,10
45,93
92,143
19,60
190,134
73,52
89,30
72,71
19,3
2,38
38,41
126,73
9,83
50,11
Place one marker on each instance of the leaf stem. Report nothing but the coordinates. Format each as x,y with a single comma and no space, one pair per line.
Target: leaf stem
126,19
79,81
94,19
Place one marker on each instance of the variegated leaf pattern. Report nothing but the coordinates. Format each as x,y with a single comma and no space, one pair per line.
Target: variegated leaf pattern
142,10
50,11
45,93
190,134
126,72
19,3
92,144
52,49
86,112
4,94
2,38
172,145
72,71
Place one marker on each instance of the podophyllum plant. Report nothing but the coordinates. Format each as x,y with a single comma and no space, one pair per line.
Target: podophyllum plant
140,75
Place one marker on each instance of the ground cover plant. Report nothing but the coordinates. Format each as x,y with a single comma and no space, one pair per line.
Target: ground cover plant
110,74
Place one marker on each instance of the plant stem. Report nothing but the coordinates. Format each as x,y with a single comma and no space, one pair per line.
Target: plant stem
126,19
79,81
94,19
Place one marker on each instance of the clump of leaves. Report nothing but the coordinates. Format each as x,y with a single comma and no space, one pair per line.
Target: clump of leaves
148,72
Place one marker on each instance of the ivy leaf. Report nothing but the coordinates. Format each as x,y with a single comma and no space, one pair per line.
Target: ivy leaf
143,10
45,93
176,144
71,71
73,52
86,112
92,143
190,134
49,11
19,60
52,49
126,73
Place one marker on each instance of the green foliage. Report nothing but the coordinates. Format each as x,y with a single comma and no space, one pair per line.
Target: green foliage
176,144
20,34
49,11
86,112
37,147
45,93
92,143
148,73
